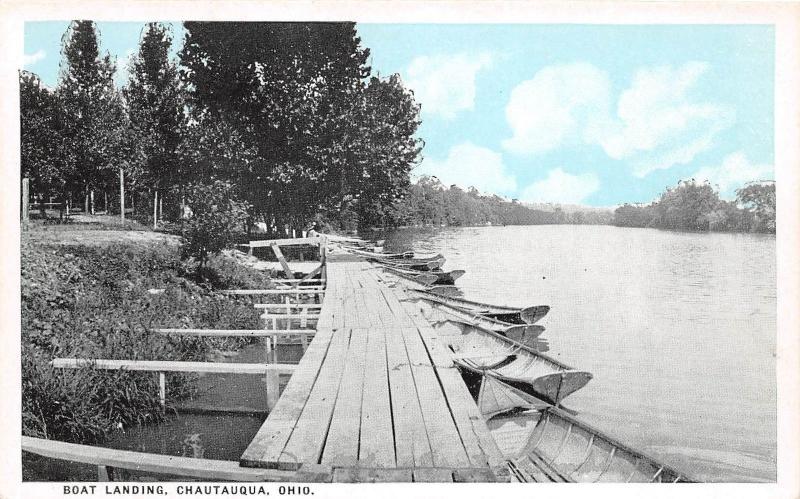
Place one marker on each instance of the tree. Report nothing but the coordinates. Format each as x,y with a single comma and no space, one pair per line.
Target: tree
217,217
40,143
683,207
759,199
388,122
290,90
94,119
155,109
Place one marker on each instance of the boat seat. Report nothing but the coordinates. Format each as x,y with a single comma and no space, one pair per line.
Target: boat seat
539,466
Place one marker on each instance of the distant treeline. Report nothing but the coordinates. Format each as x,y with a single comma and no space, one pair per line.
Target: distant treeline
428,202
694,206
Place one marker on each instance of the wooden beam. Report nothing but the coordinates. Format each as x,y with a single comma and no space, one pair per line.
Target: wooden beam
172,366
290,316
207,469
287,292
311,274
290,281
231,332
284,306
312,241
279,255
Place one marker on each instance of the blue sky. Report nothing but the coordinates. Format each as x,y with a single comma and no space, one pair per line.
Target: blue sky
585,114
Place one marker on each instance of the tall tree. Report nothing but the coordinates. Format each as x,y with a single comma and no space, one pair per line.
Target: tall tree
155,108
759,198
94,117
290,90
387,124
40,141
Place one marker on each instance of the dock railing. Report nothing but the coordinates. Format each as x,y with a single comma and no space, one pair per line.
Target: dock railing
107,460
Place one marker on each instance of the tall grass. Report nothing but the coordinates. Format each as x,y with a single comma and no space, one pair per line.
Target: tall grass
100,302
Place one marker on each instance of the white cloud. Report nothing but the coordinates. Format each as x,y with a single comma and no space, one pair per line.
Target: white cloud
555,106
445,84
561,187
468,165
734,172
656,123
30,59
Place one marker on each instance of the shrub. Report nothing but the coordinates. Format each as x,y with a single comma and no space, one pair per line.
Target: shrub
217,217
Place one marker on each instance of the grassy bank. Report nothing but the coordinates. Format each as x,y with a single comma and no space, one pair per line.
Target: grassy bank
90,300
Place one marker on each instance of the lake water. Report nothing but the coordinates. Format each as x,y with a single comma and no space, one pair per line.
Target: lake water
677,328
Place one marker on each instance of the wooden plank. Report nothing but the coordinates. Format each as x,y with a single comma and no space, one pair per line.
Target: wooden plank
341,448
267,445
412,446
310,317
377,439
311,241
433,475
291,281
231,332
283,306
310,275
372,475
173,366
473,475
279,255
457,402
448,451
307,440
286,292
207,469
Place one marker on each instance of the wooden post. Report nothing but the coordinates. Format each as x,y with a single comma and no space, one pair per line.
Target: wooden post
85,203
103,473
162,388
25,200
91,201
161,208
279,254
121,195
155,209
272,379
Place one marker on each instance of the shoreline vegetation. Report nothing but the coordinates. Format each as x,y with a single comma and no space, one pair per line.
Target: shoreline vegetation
91,297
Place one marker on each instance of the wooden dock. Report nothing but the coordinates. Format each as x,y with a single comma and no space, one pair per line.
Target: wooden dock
375,397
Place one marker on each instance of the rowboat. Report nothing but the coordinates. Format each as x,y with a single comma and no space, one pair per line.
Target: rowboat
442,277
543,443
480,352
407,258
383,256
421,265
425,279
523,333
527,315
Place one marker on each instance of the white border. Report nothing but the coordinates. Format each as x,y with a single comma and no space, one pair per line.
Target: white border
785,17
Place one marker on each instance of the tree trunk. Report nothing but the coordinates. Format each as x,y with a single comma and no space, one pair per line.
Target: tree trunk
155,209
91,201
85,201
25,199
121,195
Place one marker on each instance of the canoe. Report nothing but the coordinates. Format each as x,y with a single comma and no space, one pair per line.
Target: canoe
442,277
523,333
383,256
425,279
422,265
543,443
480,352
527,315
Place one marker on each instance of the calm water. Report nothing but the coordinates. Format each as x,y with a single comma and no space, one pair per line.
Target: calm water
677,328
